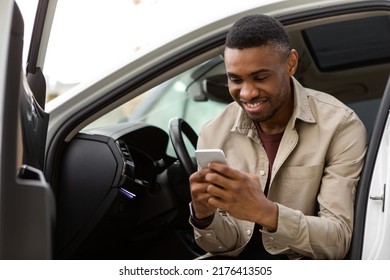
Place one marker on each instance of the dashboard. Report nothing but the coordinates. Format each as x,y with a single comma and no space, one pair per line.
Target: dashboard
115,182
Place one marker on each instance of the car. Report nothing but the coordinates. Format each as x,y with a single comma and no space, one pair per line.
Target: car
97,166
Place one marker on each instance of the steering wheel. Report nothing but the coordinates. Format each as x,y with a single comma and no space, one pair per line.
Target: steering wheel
178,127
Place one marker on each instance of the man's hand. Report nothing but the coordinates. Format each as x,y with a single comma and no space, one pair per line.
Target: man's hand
238,193
200,196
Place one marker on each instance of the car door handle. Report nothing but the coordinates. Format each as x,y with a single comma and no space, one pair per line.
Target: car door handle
381,197
373,197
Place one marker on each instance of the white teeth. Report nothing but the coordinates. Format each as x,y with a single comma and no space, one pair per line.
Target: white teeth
253,105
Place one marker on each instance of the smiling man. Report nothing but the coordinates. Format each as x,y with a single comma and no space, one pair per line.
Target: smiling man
294,158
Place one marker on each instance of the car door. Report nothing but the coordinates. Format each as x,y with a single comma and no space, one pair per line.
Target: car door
371,238
27,203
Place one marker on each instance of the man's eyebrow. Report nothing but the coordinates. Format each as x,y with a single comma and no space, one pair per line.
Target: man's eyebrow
231,74
260,71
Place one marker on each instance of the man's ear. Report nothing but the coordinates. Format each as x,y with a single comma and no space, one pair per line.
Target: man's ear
292,62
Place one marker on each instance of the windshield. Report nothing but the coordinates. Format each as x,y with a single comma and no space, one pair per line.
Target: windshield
90,38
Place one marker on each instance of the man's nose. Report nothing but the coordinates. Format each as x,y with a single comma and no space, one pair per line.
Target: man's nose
249,91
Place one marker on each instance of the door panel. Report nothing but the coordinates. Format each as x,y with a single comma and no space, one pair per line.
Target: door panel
371,234
27,202
377,228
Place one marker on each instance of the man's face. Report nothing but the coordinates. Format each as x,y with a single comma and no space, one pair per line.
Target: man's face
259,80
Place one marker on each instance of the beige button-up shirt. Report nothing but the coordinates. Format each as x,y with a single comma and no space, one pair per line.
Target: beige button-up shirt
313,181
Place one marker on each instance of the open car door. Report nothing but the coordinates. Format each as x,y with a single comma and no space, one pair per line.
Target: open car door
27,202
372,223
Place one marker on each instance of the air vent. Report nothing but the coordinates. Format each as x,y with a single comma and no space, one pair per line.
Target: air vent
129,163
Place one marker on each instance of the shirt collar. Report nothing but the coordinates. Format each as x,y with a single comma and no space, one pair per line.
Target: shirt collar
302,108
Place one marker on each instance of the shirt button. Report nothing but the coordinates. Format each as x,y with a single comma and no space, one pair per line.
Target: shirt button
262,172
248,231
208,234
219,247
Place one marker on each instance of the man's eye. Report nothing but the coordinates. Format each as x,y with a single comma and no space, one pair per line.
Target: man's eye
235,80
262,78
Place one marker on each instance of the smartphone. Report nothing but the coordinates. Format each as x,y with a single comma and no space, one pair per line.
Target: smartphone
205,156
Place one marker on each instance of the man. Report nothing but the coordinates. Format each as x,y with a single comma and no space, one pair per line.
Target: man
294,158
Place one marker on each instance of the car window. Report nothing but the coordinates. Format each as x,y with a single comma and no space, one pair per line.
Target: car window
158,105
101,36
28,9
367,43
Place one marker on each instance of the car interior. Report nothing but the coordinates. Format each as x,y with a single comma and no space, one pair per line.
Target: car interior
120,193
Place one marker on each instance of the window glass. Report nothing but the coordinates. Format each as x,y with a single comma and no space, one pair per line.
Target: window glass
90,38
28,8
158,105
351,43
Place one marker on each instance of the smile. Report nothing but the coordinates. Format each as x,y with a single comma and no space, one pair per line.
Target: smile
254,105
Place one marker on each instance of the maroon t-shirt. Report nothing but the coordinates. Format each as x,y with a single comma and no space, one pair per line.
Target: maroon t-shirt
271,144
255,248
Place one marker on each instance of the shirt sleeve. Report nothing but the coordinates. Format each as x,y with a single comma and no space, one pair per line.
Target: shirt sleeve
224,236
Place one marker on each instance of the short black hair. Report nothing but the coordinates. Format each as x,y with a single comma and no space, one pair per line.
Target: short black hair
257,30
